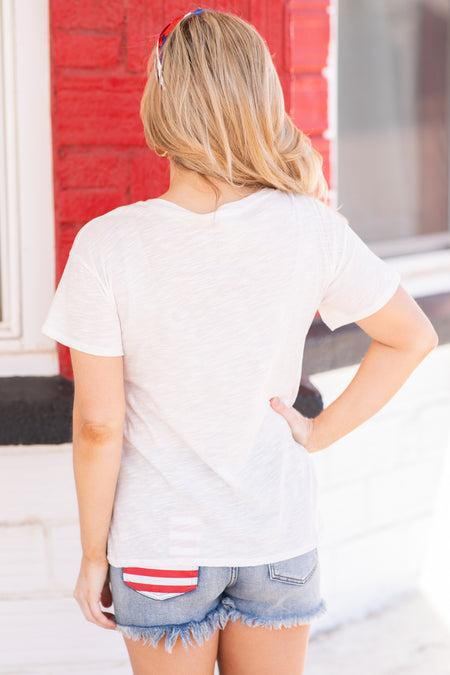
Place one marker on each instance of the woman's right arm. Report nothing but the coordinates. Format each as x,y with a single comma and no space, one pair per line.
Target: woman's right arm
402,336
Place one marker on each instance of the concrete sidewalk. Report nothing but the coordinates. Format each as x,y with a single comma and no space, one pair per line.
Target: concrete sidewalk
52,638
408,638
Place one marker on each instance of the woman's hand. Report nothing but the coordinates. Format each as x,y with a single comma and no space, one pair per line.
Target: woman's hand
402,336
302,428
91,589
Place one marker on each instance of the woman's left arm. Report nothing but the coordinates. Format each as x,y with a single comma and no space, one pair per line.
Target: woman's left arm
98,417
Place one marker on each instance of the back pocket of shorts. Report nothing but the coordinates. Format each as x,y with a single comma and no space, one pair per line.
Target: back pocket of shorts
296,570
161,584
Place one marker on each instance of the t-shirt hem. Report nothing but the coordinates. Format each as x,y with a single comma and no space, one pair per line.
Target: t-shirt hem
205,561
367,311
75,344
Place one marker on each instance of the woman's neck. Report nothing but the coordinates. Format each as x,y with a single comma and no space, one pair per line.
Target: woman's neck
189,190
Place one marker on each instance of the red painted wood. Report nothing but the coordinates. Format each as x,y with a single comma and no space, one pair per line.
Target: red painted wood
99,54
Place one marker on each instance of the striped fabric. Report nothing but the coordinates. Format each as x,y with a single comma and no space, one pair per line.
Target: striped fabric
160,584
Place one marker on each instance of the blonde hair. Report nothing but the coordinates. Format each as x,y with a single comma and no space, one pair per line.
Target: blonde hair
221,112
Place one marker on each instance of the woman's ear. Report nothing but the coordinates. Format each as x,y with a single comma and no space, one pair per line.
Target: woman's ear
160,152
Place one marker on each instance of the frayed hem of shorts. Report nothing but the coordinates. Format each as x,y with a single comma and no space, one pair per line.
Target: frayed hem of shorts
287,622
199,630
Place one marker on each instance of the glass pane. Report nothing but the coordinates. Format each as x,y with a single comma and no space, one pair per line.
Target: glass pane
393,116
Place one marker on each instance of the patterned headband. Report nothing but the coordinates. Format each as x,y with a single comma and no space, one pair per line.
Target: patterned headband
162,38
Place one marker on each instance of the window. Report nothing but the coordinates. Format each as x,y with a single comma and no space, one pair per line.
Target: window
393,93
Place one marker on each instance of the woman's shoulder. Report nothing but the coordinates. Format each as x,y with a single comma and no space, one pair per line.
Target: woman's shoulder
309,204
109,230
317,215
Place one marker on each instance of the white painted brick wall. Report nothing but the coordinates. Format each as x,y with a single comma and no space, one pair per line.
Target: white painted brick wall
36,482
52,633
378,504
64,555
39,534
43,631
379,491
403,493
24,560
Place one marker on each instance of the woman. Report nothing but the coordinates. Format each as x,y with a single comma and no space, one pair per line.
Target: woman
186,317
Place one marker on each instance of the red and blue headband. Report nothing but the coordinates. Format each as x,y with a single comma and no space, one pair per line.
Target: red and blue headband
162,38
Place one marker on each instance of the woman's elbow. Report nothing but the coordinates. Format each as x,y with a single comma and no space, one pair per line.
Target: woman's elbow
421,340
402,324
97,434
428,342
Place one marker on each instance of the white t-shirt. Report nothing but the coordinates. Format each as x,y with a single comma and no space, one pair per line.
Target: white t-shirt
211,313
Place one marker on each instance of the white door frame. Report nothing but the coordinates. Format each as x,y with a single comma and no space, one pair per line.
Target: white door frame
26,173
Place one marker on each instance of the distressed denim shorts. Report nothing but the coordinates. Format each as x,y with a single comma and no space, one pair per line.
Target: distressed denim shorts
195,602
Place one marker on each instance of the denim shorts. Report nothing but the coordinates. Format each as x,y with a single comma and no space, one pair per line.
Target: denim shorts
199,600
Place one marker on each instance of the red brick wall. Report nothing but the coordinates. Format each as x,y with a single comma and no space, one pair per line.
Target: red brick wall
99,51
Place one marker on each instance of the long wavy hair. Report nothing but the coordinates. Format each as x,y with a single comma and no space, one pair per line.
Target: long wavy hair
221,110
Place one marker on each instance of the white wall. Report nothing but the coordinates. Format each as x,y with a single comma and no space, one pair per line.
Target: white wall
379,490
42,628
383,488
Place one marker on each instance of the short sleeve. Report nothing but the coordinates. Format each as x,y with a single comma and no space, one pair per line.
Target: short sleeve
358,282
83,314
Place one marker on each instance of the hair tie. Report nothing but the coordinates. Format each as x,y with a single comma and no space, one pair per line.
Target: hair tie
162,38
